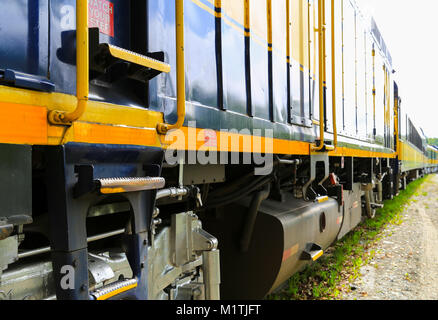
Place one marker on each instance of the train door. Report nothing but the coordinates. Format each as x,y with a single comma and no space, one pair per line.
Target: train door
328,72
235,89
379,80
397,118
396,136
299,61
259,60
306,88
361,101
349,69
369,86
200,56
314,61
388,116
339,64
391,109
279,65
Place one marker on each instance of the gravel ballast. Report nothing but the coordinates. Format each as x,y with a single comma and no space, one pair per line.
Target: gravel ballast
405,262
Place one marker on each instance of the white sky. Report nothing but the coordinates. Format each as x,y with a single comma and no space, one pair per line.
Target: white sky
409,30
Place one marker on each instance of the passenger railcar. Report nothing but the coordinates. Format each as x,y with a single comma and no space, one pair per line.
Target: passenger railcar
432,158
190,149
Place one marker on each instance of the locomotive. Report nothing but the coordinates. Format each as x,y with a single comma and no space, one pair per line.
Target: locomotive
190,149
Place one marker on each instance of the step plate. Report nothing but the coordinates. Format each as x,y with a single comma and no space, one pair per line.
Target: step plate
122,185
114,289
139,59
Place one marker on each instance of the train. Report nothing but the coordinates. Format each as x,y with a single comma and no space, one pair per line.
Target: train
191,149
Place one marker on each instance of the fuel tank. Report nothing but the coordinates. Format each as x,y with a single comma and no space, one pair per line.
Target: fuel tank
286,237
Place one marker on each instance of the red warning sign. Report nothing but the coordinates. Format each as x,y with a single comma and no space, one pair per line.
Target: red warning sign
101,15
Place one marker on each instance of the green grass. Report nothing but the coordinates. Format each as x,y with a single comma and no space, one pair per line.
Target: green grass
326,278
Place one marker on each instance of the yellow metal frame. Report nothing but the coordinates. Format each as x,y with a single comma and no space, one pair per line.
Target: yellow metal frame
163,128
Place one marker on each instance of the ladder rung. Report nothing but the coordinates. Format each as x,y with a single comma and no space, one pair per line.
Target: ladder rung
122,185
114,289
139,59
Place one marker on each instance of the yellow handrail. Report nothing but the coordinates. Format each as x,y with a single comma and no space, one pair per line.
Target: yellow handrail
374,91
322,68
163,128
269,23
388,102
335,128
247,17
288,32
396,123
82,68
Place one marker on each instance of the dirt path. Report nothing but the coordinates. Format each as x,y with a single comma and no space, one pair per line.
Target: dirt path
405,263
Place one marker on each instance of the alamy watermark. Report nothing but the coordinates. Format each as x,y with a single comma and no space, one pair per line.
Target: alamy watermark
68,278
206,146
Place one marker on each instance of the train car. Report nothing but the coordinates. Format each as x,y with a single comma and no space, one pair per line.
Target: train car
416,157
432,157
189,149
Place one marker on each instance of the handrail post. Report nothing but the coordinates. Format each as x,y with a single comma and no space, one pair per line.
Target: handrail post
374,93
322,67
335,128
396,121
82,68
163,128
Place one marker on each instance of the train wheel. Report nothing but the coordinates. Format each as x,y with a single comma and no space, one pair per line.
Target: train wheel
369,203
